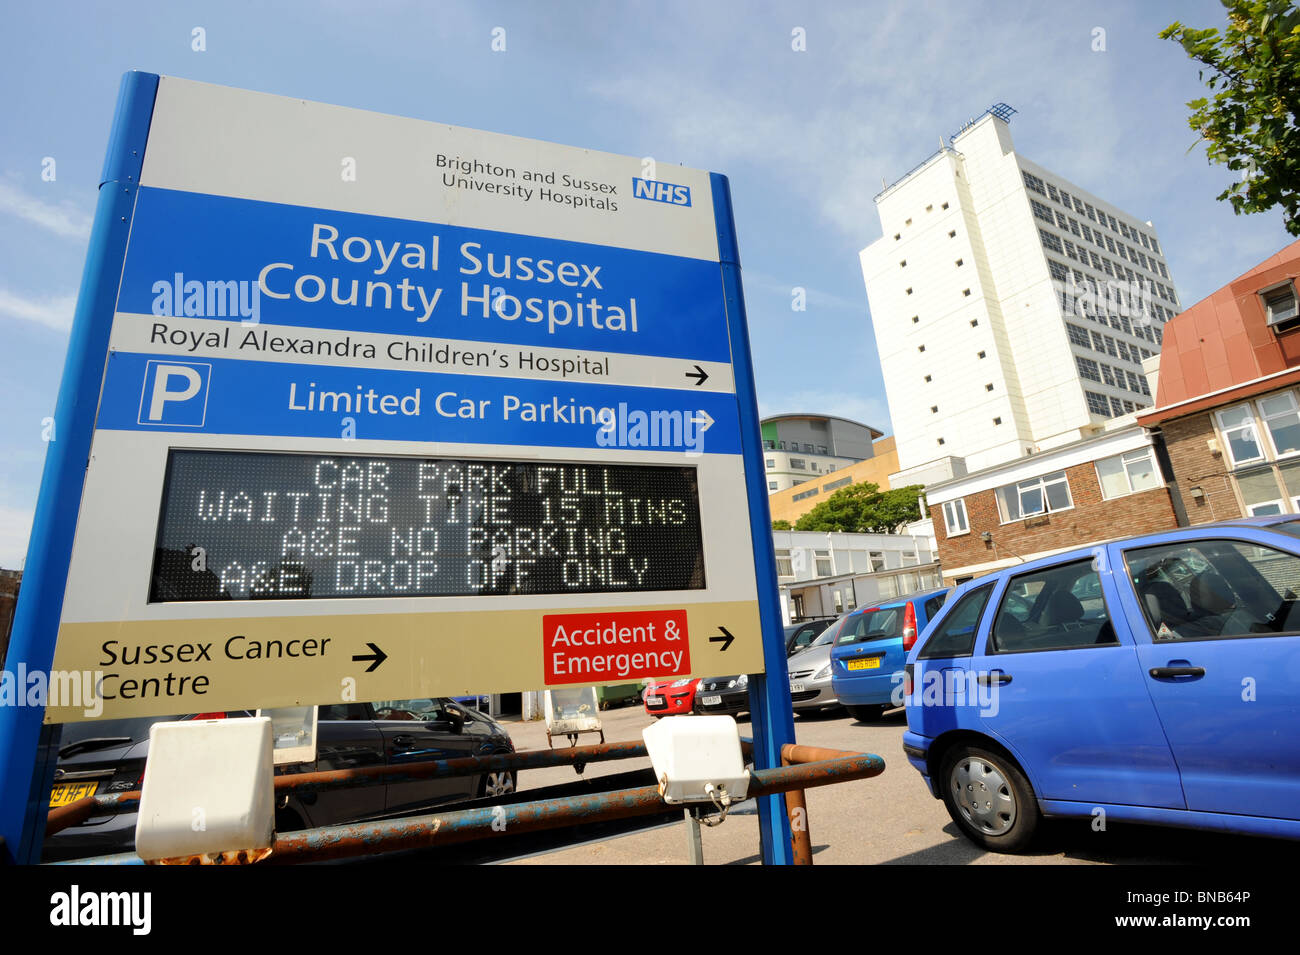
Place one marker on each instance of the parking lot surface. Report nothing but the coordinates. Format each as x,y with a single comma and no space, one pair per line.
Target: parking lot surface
891,819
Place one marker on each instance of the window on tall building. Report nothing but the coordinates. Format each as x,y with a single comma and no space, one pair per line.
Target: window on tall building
1051,191
798,464
1092,213
1079,336
1040,495
1097,404
1107,375
1116,407
1155,246
1051,241
1034,183
1087,368
1059,272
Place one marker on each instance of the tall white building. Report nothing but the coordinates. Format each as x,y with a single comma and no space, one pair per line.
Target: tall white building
1002,298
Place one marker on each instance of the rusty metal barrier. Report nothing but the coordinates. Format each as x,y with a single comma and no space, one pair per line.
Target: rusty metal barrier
425,831
579,757
792,754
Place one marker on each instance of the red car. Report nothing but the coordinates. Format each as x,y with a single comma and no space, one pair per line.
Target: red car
671,697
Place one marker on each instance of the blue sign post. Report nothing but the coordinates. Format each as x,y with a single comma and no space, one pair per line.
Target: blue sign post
388,388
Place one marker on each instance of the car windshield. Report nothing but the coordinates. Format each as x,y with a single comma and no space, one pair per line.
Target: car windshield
875,624
132,729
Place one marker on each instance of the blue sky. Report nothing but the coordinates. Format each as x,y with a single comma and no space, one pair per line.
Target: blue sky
806,137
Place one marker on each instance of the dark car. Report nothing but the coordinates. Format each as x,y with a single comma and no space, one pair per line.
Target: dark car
723,695
108,756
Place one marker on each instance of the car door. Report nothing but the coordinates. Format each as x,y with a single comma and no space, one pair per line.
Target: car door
1219,642
1059,684
417,731
346,738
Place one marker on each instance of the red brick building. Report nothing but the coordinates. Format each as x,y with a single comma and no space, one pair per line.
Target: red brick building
1107,486
1228,396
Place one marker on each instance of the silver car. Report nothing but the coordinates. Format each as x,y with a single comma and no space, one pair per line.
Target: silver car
810,672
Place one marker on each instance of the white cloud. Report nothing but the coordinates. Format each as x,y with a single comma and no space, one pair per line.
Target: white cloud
15,528
53,311
64,219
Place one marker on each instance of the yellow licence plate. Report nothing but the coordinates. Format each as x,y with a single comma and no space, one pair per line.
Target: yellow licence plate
64,793
872,664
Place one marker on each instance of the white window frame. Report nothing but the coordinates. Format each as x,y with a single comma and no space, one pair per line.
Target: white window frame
1029,485
1282,318
1265,419
1125,459
954,517
783,555
1225,430
823,555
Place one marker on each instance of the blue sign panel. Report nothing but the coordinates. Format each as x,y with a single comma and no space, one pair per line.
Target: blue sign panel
217,257
228,396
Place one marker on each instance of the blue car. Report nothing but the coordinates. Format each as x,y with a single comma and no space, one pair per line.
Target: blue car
1154,679
871,647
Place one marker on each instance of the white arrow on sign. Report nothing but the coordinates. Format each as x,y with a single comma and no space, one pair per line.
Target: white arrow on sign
703,416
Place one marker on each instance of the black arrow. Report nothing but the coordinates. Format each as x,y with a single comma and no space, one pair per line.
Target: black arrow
724,638
699,374
379,656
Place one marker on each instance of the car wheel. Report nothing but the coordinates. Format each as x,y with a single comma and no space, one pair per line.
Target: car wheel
497,784
867,714
989,798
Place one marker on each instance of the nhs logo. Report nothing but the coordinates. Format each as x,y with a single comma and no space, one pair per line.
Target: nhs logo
175,394
661,191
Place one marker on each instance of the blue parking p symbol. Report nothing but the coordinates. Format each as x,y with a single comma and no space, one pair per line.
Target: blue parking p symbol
175,394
